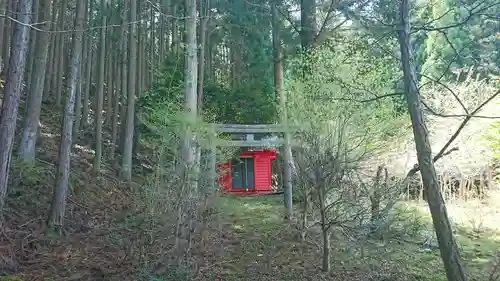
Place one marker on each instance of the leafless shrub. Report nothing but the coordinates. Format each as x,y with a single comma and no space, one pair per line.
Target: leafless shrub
326,167
171,214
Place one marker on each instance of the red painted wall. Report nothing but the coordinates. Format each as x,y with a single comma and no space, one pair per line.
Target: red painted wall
224,179
263,172
262,168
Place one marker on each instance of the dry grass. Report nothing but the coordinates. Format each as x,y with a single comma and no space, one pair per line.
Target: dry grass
478,215
474,153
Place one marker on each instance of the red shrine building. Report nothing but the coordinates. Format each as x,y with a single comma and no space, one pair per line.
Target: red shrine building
250,174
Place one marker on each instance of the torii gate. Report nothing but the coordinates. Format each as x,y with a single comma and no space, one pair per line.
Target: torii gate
285,142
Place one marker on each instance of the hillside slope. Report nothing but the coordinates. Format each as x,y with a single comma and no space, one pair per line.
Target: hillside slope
110,236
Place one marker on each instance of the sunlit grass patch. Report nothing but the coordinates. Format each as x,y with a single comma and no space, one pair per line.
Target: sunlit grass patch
252,214
478,244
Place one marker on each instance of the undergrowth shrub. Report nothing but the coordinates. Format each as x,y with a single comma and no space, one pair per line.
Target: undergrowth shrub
32,174
29,185
407,222
168,218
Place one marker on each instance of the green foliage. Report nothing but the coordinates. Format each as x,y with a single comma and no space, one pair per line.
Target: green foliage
241,91
493,137
247,103
251,96
465,40
32,174
162,105
407,221
322,95
169,85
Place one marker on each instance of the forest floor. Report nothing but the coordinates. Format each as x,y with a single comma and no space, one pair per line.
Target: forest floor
268,249
106,237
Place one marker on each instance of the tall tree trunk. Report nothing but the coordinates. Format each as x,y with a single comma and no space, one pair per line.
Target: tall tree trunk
32,48
78,102
308,23
152,49
59,54
56,217
188,153
3,22
126,170
6,40
141,36
100,89
123,77
27,146
79,93
168,24
109,79
49,73
280,94
161,31
175,29
12,94
116,103
209,72
204,12
140,77
81,82
15,16
88,68
447,244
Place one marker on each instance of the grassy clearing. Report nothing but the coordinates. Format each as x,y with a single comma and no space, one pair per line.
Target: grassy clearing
269,250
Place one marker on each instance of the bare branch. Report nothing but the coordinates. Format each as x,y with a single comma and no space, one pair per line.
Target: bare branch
449,90
324,35
445,35
433,112
444,151
372,99
327,18
471,13
290,21
466,120
34,25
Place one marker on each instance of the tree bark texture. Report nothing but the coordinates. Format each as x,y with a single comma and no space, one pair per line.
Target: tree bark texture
100,89
188,149
447,244
280,94
307,23
88,69
27,146
56,218
60,51
14,81
128,140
